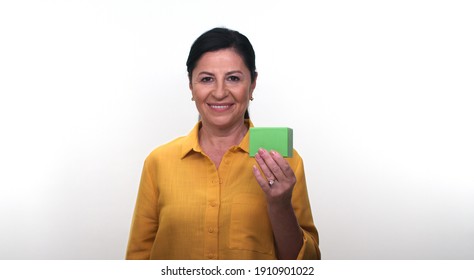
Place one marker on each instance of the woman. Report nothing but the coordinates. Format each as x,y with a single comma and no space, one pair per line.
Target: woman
201,196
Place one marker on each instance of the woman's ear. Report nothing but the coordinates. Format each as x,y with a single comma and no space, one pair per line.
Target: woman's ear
253,84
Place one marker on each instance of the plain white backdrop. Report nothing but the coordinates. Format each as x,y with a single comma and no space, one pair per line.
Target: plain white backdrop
380,95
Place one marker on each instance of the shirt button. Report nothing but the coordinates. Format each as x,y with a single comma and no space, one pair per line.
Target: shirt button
213,203
210,256
211,230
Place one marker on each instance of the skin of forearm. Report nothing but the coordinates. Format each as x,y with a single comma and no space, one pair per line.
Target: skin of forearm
286,230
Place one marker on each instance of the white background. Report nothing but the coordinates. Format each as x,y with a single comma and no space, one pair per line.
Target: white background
379,94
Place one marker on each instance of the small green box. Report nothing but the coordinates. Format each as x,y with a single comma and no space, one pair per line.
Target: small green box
279,139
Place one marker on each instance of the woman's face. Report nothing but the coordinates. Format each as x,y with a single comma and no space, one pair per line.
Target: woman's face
221,87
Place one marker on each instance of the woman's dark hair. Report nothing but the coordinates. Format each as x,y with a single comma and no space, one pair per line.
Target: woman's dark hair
218,39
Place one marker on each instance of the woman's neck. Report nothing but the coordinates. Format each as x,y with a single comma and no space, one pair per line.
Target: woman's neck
216,142
222,139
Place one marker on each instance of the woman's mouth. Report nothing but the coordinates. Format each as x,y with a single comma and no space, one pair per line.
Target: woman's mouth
220,107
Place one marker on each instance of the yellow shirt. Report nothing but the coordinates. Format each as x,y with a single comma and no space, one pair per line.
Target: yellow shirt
188,209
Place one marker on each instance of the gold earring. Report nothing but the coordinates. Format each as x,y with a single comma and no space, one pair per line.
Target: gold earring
192,98
251,98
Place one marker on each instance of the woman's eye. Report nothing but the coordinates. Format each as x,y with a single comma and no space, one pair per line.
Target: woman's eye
206,79
234,78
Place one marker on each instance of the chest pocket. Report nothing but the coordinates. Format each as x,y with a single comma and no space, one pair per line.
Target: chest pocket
250,227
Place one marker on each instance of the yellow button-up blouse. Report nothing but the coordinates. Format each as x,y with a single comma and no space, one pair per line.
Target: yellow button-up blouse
188,209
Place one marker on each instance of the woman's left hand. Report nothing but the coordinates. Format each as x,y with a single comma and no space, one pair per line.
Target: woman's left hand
279,178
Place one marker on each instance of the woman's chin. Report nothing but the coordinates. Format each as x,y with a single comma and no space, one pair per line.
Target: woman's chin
221,122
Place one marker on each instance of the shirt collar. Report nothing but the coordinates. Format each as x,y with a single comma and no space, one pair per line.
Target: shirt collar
191,141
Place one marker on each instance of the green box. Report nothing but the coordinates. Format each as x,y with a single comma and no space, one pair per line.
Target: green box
279,139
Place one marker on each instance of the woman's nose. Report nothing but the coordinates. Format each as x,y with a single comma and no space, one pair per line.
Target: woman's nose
221,90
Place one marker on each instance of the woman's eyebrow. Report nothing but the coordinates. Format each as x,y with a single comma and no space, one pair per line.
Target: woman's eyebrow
205,73
234,72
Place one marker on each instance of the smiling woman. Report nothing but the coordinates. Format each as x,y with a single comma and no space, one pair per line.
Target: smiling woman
222,86
202,196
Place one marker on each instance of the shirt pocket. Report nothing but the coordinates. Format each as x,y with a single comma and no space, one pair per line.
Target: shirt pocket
250,227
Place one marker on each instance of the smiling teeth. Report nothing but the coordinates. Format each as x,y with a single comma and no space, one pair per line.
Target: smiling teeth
220,106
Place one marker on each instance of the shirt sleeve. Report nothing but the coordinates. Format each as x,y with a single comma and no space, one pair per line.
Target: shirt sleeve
301,205
145,217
